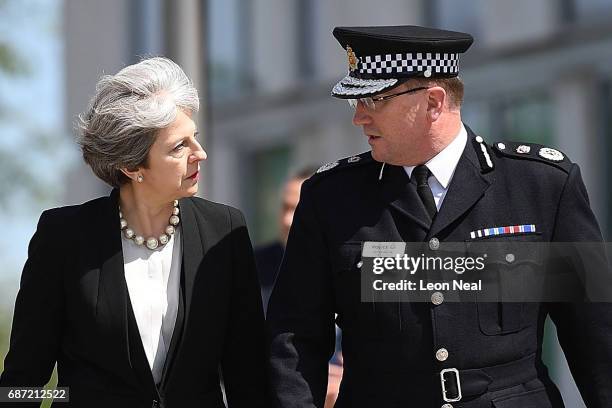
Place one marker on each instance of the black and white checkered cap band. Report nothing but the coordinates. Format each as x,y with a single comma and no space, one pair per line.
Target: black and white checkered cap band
447,63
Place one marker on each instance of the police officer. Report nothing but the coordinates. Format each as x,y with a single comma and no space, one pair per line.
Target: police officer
428,179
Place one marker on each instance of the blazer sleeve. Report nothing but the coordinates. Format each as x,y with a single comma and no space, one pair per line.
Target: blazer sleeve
301,315
585,329
37,319
243,362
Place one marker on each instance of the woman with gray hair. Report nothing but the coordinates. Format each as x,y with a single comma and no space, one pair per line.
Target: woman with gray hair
148,296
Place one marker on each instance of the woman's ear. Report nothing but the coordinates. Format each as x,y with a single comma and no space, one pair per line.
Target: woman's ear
134,175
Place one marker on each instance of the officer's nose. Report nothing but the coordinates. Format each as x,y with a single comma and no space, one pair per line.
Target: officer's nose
362,115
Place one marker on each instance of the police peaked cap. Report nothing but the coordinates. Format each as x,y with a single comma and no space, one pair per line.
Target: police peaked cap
383,57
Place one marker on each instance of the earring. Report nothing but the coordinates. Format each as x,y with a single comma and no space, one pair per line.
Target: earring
140,178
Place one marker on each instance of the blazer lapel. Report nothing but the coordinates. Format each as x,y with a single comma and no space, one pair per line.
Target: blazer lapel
194,245
111,310
178,331
403,197
138,357
466,188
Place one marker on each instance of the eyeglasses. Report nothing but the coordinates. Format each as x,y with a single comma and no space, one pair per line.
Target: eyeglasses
370,102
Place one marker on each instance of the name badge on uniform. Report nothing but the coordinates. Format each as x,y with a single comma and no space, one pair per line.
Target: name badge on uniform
382,249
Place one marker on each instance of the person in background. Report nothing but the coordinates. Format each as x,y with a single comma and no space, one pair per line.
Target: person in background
268,258
143,297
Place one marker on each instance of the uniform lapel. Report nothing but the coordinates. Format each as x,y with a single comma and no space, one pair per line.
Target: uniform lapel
403,197
466,188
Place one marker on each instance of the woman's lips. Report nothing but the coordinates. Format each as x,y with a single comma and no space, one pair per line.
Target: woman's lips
195,176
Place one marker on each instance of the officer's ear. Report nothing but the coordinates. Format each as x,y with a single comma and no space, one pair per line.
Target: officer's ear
435,102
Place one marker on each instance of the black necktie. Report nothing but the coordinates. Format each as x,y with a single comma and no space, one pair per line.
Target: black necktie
420,175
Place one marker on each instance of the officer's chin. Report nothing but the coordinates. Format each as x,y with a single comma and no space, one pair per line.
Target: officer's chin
378,156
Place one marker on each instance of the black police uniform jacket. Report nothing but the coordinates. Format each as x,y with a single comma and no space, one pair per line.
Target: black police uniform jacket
73,308
390,348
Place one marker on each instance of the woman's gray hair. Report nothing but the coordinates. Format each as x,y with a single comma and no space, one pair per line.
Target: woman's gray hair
126,112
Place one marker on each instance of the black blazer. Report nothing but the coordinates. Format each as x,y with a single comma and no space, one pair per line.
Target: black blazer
390,348
73,308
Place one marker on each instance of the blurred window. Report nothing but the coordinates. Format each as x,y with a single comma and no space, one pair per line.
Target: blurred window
606,136
228,47
528,118
465,15
592,9
268,173
306,50
146,28
477,115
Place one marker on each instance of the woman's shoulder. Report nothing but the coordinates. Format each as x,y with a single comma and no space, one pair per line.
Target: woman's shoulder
212,209
70,213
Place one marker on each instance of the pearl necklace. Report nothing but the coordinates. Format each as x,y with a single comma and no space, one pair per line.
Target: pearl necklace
152,242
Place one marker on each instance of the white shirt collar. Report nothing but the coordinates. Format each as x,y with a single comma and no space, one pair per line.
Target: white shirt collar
443,165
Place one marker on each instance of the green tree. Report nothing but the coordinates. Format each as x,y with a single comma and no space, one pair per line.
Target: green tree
16,178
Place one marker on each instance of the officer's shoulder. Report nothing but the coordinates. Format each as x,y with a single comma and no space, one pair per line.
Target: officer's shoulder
533,152
340,167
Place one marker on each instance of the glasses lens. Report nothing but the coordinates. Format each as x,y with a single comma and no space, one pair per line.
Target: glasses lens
369,103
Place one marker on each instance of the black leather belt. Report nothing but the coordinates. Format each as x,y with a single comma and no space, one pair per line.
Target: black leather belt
458,384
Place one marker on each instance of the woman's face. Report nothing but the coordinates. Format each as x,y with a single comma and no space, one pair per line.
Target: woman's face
173,167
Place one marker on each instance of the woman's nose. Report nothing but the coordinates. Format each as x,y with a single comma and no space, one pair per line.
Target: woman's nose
199,153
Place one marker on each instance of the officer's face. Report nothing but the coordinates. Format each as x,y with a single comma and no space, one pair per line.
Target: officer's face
397,129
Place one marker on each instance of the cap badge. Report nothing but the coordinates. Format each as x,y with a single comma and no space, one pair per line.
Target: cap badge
352,58
551,154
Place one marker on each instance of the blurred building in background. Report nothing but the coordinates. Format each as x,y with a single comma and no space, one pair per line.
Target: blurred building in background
540,70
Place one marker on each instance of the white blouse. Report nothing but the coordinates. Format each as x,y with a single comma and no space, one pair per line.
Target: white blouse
153,281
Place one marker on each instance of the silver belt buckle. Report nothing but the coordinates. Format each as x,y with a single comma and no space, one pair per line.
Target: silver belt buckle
443,381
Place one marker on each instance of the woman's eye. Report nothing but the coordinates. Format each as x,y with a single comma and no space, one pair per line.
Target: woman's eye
179,147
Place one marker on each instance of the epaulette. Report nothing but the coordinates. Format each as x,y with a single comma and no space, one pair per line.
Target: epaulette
533,151
341,164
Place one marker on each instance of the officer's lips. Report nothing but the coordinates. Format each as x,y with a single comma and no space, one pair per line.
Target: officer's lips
372,138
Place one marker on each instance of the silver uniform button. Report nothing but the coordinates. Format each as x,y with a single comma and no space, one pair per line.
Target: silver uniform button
447,406
437,298
434,244
510,258
359,264
442,354
501,146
